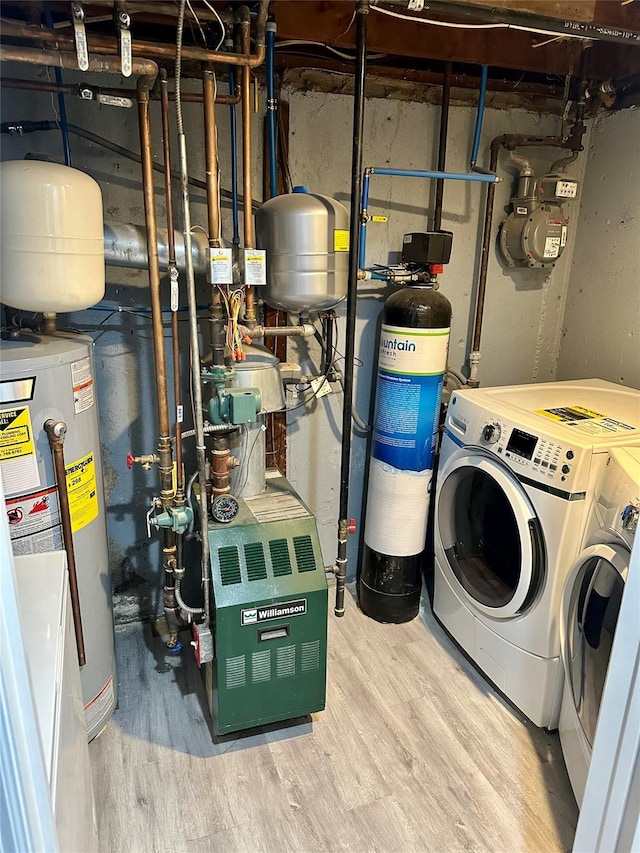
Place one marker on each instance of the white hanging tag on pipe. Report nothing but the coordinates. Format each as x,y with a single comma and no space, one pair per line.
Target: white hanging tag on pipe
175,290
124,21
220,266
114,101
255,267
125,52
320,386
82,48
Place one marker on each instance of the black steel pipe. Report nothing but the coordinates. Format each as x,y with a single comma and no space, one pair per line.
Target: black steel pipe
77,89
531,22
362,12
56,433
484,257
442,145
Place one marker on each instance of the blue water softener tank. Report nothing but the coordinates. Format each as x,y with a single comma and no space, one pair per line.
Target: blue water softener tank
414,340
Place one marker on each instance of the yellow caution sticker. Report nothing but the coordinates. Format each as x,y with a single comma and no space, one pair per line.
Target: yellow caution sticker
83,491
340,240
569,413
379,218
18,461
16,435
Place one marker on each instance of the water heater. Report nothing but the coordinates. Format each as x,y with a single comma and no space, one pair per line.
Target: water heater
306,237
52,260
53,377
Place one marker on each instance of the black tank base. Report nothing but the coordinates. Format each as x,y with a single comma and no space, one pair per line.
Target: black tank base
389,587
388,608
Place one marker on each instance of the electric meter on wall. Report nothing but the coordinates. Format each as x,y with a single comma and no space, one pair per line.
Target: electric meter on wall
534,234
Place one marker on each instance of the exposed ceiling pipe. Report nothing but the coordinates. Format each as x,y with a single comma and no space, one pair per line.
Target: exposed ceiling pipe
504,18
362,13
146,70
108,45
91,93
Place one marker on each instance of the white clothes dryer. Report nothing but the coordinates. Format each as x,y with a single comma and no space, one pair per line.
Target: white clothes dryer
590,604
519,467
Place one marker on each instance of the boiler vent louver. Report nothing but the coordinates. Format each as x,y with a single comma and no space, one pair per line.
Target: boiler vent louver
229,565
256,565
280,560
305,558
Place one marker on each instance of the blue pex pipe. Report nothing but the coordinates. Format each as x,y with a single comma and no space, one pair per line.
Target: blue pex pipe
272,108
234,153
362,246
445,176
479,115
408,173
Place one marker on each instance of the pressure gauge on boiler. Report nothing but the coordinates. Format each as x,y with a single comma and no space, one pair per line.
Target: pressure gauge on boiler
224,508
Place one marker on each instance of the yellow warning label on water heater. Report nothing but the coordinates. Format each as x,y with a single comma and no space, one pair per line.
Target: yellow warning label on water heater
16,435
83,491
340,240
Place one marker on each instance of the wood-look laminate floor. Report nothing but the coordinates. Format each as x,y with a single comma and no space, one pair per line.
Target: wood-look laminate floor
415,752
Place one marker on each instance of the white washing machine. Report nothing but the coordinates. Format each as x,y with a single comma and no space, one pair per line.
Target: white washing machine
590,604
519,467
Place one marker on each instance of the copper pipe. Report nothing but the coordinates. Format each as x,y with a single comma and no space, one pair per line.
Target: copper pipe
211,157
216,315
245,23
144,69
75,88
108,45
220,464
165,464
56,432
172,271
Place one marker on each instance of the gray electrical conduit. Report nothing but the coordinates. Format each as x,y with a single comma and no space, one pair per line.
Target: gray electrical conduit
193,331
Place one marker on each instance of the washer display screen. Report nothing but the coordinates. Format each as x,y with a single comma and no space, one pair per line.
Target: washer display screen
522,443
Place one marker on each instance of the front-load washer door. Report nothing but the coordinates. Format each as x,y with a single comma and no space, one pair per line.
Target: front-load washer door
490,535
590,607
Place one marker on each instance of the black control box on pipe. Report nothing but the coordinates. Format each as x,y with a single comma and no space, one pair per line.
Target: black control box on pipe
430,247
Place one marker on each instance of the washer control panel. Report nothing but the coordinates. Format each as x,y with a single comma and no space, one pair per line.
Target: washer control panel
528,452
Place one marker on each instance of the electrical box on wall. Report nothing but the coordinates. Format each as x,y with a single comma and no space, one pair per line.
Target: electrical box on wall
534,234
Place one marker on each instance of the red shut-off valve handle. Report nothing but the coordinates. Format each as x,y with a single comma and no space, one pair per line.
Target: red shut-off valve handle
352,526
146,461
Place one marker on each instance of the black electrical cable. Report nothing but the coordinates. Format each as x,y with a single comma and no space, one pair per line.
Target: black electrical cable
330,365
